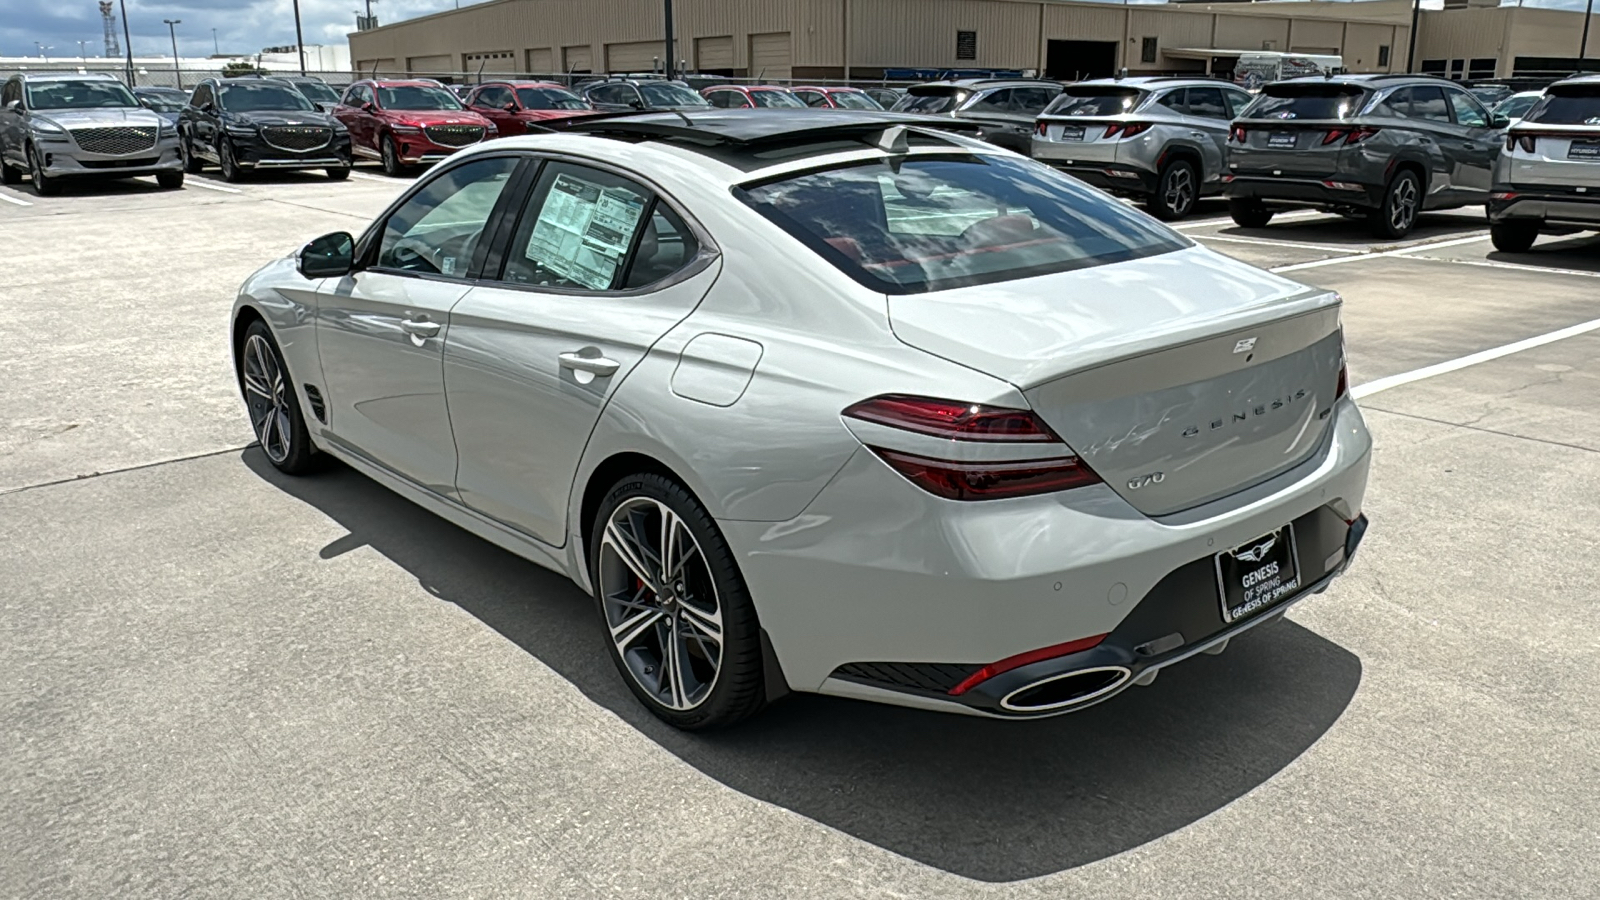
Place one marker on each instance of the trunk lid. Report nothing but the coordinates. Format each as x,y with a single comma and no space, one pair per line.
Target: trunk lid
1564,130
1287,126
1196,378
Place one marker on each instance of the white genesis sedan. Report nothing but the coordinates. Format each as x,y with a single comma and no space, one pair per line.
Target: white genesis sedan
827,401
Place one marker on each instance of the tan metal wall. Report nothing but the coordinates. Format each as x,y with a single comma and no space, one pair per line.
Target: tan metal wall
923,33
1361,43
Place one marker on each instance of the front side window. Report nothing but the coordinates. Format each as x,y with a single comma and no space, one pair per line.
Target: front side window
1429,103
202,96
316,91
438,230
1468,112
416,97
492,98
932,101
854,100
10,93
1237,101
993,102
1517,107
43,95
1031,101
934,222
665,93
776,100
577,230
261,96
549,98
1095,101
811,98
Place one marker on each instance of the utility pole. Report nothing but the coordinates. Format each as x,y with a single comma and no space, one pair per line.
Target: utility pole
299,39
81,54
127,41
214,49
667,12
172,29
1583,45
44,52
1411,54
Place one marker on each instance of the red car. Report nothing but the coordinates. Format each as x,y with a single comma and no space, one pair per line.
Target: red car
407,123
734,96
835,97
511,105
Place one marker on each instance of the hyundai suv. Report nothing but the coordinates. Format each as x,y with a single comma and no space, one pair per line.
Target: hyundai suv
405,123
1548,177
1003,109
1381,147
80,126
641,93
248,124
1161,140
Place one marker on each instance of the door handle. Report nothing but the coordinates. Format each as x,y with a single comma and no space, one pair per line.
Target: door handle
1197,134
594,365
419,327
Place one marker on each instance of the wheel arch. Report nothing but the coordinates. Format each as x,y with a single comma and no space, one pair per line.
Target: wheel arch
611,470
1179,149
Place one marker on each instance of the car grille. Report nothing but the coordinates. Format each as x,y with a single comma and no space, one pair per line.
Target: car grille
454,135
115,141
297,138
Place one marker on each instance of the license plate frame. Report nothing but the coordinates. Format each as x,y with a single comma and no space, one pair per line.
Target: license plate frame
1282,140
1585,151
1246,587
1072,133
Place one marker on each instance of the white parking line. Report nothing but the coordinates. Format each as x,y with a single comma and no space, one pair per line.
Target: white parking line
17,200
1414,248
383,178
1517,267
1269,242
1383,384
211,185
1228,220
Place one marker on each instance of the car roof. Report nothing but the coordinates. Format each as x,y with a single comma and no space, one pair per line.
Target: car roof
826,88
402,82
747,127
520,82
975,83
67,76
1156,81
1578,79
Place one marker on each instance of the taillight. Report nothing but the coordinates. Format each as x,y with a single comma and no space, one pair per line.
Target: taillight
1333,136
1127,129
1359,134
1529,142
949,419
1041,129
1237,133
1025,659
989,480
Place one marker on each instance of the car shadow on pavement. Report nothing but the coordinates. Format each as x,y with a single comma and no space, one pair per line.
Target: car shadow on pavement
988,800
1354,233
1572,251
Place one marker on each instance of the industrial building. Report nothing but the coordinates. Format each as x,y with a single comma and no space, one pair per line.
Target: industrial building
776,40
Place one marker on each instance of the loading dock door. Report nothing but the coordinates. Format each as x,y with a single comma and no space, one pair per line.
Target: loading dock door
769,56
577,59
713,53
541,61
644,56
1076,60
425,65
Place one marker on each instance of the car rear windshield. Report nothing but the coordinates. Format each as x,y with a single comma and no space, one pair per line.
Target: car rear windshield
416,96
550,98
926,223
932,100
665,93
316,91
776,99
1095,101
853,100
1568,106
1305,101
78,95
258,97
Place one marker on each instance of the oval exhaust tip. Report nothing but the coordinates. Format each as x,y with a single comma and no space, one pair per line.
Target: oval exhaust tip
1066,689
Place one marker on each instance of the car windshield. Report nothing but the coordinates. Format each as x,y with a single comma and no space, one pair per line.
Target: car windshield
1095,101
854,100
164,102
316,91
1516,107
78,95
665,93
775,99
550,98
416,96
1305,101
927,223
932,100
260,96
1576,105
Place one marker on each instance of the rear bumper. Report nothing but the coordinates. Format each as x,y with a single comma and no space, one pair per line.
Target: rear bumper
877,573
1320,192
1116,178
1546,206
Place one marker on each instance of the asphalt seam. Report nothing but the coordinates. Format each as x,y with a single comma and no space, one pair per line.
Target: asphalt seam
1506,434
149,465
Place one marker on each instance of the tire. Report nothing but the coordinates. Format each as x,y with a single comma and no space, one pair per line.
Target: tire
191,163
1177,189
391,158
43,185
170,180
231,172
706,604
9,174
1249,213
338,173
273,404
1402,200
1513,237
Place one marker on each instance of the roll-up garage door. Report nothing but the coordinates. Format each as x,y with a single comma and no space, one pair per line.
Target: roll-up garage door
577,59
713,53
770,57
424,65
541,61
381,66
500,62
644,56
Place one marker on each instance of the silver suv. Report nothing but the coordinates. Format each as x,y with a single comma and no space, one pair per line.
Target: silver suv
1162,140
56,126
1003,109
1548,176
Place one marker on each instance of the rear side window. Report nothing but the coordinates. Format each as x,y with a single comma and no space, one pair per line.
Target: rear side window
1567,106
1096,101
1207,103
935,222
577,229
1306,101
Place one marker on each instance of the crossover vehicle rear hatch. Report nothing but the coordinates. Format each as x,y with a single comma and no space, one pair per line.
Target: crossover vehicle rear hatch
1180,378
1297,130
1091,119
1558,143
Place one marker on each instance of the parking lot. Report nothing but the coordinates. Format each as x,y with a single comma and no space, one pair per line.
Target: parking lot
218,681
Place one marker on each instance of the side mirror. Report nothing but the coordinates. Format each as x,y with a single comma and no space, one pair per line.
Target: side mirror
329,256
636,104
510,107
369,107
1500,121
14,106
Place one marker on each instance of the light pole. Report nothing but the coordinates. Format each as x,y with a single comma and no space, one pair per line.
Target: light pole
1583,45
299,40
44,52
127,41
1411,54
667,14
172,29
81,55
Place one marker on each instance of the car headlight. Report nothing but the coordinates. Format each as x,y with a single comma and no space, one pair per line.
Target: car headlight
490,131
45,126
168,129
241,130
405,129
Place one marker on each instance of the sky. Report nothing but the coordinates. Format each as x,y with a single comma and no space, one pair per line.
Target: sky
242,26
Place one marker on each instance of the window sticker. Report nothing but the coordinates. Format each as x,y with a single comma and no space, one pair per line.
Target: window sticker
584,230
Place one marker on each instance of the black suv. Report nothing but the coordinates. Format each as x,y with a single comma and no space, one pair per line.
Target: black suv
1383,147
244,124
1003,109
625,93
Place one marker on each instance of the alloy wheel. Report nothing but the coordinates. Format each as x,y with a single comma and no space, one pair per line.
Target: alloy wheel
662,609
1403,206
267,397
1179,194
